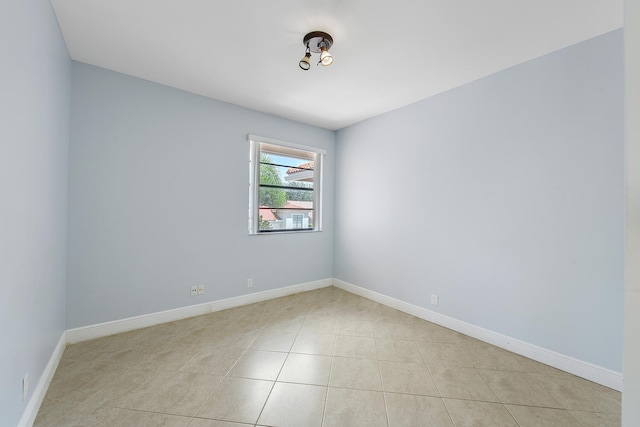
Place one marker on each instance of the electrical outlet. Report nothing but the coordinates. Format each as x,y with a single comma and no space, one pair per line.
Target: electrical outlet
249,283
434,299
194,291
201,290
25,386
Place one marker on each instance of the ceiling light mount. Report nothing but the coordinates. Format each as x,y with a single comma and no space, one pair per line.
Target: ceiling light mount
317,42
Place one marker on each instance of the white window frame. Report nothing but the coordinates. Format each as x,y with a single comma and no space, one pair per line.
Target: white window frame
254,180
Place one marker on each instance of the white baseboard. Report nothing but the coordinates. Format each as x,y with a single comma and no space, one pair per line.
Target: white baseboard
31,411
569,364
574,366
85,333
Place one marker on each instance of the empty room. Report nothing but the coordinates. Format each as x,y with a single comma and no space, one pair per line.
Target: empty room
410,213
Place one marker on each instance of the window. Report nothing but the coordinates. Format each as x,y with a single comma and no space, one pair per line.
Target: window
284,191
298,221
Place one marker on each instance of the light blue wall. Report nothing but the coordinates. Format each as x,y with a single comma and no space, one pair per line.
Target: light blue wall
631,364
34,134
159,196
505,197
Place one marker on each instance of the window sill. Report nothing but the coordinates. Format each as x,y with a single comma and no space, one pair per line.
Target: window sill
272,233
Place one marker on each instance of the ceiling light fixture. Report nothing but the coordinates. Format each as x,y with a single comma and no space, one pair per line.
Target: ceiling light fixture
317,42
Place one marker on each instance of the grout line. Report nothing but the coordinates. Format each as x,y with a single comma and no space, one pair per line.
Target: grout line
264,405
514,418
384,396
446,408
326,397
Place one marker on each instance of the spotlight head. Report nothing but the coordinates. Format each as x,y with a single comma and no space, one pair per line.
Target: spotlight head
304,63
325,57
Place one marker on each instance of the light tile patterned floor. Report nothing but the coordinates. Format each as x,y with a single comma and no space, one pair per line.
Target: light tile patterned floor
321,358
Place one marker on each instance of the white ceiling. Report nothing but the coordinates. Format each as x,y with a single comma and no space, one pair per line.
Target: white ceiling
387,54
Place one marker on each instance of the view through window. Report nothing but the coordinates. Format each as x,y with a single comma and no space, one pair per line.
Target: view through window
285,187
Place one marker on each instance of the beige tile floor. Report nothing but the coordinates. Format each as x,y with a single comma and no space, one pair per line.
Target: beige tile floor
320,358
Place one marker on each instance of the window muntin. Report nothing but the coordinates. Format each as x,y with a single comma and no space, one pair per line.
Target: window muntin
284,187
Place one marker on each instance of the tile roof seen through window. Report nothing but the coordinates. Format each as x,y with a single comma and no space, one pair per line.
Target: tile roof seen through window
300,168
267,214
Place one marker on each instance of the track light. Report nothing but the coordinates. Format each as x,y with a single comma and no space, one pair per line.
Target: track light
317,42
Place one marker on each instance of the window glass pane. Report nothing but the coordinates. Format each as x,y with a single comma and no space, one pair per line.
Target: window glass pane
280,197
273,173
273,219
283,191
285,179
286,193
